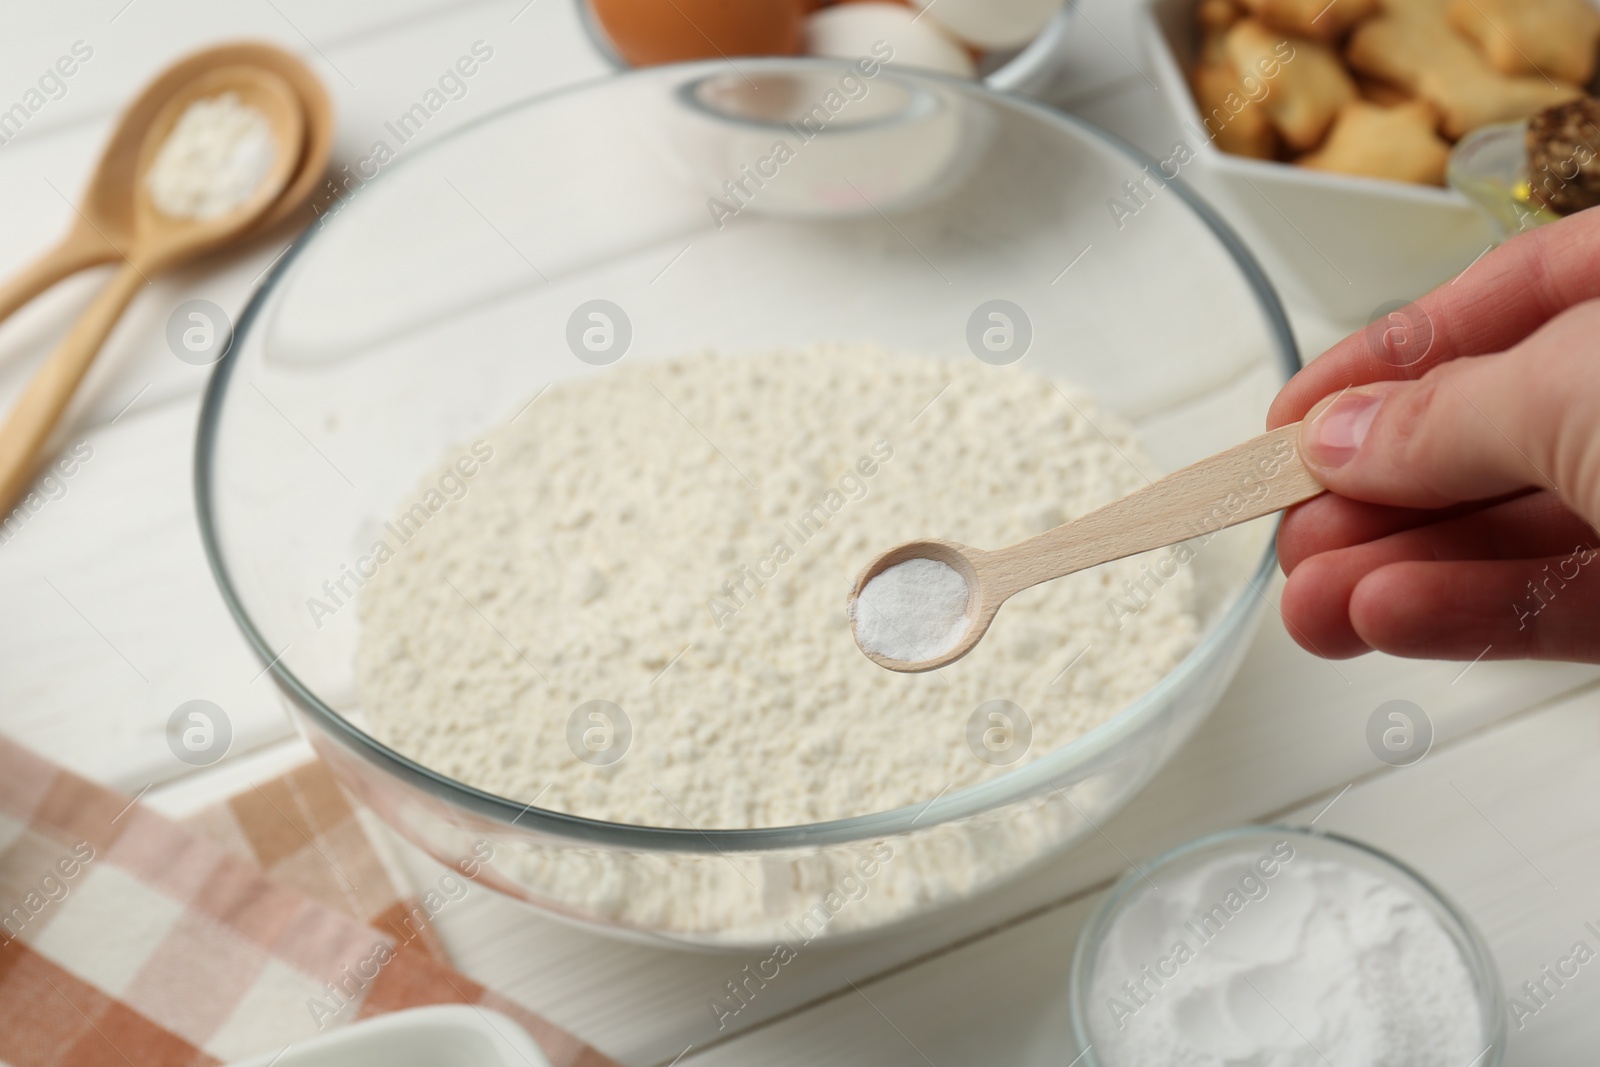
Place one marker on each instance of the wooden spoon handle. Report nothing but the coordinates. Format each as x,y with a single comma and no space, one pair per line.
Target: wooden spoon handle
78,250
1245,482
37,411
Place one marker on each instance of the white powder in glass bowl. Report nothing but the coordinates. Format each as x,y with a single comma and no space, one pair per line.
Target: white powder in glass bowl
1317,964
676,539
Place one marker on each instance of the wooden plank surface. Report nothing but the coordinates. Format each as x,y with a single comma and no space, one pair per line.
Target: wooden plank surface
1478,817
1290,732
112,620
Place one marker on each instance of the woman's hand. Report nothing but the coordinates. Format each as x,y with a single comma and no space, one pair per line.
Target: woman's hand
1461,440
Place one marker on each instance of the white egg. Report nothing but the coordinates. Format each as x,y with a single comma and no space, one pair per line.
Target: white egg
850,31
991,23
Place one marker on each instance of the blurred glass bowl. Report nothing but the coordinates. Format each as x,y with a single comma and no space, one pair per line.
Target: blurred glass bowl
436,301
1248,843
1027,71
1490,167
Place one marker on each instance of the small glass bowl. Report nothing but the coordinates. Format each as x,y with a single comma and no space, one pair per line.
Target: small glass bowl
1490,168
1251,841
1027,71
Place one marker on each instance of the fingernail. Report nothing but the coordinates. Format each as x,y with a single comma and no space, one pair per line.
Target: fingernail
1333,435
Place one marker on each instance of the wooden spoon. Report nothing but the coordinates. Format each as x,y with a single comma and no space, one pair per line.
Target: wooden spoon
1245,482
160,243
103,228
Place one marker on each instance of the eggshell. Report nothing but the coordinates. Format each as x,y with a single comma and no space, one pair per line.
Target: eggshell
849,31
647,32
991,23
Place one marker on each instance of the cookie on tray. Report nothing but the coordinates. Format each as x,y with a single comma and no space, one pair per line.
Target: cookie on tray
1320,20
1557,38
1412,45
1376,92
1398,143
1238,124
1306,85
1216,16
1564,157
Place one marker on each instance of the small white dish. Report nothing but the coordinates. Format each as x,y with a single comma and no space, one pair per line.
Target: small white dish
444,1035
1349,245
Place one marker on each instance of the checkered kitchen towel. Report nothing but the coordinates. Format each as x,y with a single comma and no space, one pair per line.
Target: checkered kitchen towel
301,831
127,938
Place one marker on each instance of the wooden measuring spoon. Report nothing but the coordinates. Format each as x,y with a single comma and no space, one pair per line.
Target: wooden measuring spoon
1245,482
103,226
160,243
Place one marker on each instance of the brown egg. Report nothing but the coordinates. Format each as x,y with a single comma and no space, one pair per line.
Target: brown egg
647,32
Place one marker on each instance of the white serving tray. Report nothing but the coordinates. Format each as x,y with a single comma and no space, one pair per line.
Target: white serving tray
1349,245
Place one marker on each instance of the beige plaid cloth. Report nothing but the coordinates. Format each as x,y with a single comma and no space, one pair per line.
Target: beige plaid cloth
127,938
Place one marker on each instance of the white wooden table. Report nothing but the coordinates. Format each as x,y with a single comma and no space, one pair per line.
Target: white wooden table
111,620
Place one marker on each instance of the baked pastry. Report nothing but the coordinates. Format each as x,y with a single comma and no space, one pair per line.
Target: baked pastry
1564,157
1306,85
1235,122
1556,38
1377,92
1217,15
1398,143
1320,20
1412,44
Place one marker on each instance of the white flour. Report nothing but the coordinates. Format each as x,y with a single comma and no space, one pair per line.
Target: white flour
678,538
1317,965
912,611
212,160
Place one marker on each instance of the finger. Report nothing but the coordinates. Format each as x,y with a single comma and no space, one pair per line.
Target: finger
1472,428
1427,444
1496,303
1317,598
1510,609
1316,608
1330,522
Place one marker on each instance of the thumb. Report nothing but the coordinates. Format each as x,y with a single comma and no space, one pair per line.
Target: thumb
1467,430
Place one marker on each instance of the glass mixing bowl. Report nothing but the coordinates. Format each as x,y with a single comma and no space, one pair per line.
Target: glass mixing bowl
438,300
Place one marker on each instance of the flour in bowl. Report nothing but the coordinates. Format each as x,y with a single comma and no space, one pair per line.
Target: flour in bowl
672,543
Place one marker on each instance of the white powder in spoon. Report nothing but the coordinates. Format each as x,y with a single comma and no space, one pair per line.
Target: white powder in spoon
214,158
912,611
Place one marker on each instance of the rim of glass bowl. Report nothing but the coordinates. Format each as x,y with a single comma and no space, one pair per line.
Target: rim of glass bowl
1480,959
1047,771
921,104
